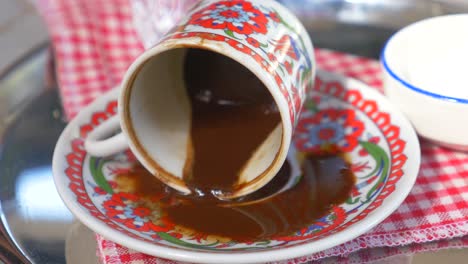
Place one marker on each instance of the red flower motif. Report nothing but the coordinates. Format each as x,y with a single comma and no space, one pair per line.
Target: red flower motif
363,152
239,46
162,228
237,16
99,191
355,192
274,16
120,199
113,184
297,99
287,46
331,129
125,209
272,58
141,211
253,42
176,235
359,167
119,171
199,237
258,59
288,67
374,140
130,156
323,226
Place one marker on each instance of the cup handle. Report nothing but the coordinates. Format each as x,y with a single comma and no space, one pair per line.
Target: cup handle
99,144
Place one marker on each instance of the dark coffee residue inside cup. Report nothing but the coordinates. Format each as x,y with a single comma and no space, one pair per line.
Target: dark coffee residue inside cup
232,115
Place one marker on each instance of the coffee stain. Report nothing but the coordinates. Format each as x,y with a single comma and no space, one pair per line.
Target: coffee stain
327,181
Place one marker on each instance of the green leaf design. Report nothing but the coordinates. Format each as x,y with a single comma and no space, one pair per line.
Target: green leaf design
281,69
375,154
311,106
382,160
297,180
230,33
286,24
167,237
263,243
304,74
95,166
351,201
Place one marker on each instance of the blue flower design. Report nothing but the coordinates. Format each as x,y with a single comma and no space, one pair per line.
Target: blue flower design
235,16
333,129
325,133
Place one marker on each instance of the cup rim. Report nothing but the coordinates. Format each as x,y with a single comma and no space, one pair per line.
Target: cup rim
388,68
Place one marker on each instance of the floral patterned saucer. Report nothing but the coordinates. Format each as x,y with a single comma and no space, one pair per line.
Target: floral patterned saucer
340,112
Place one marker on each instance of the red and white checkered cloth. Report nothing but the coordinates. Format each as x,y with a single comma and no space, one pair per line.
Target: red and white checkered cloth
94,43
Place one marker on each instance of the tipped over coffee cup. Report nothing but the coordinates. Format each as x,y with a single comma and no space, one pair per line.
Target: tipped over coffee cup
212,107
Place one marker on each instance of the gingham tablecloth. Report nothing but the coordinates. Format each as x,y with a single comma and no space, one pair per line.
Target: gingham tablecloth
94,43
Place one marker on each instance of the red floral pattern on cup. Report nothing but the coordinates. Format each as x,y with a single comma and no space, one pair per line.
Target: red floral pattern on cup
236,16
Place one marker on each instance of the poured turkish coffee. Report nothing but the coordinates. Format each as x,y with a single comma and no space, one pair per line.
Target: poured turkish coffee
232,114
327,180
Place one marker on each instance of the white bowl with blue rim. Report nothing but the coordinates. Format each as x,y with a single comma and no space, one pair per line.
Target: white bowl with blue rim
425,69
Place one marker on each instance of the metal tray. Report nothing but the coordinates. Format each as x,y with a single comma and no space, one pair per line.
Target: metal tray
32,214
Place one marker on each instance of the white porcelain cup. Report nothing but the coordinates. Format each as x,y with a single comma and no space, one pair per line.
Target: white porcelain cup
425,74
154,109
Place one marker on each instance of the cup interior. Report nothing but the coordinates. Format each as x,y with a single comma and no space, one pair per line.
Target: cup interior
157,113
430,56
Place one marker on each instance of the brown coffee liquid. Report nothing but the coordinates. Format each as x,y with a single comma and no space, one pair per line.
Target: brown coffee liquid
327,181
232,114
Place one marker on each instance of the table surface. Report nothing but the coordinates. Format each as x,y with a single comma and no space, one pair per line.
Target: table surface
21,30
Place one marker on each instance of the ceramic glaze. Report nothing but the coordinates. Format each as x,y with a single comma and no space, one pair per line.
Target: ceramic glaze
154,110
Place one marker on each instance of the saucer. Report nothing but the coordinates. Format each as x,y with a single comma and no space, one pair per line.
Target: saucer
339,112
